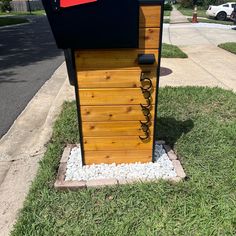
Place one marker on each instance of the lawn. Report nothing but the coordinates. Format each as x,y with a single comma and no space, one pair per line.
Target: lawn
200,124
231,47
12,20
166,21
189,12
39,12
172,51
167,13
212,21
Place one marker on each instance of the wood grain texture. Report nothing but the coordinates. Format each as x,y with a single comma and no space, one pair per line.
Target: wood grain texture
117,128
150,16
149,38
123,156
111,59
113,113
112,78
113,96
116,143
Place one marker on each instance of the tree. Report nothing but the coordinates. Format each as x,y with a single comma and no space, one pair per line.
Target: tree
5,5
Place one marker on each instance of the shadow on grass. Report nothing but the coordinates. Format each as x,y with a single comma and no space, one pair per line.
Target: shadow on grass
170,129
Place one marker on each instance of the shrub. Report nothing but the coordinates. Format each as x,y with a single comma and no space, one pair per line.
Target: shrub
168,7
204,3
5,5
186,3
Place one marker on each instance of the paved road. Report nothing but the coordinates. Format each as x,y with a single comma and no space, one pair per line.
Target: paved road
28,58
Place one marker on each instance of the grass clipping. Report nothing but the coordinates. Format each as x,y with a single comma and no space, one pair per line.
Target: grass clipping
200,123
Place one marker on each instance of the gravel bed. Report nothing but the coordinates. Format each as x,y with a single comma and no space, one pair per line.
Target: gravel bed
162,167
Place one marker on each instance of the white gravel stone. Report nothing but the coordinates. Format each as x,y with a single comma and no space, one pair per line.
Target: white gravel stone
162,167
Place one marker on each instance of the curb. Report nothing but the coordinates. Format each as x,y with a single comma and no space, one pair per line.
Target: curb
10,26
62,184
24,144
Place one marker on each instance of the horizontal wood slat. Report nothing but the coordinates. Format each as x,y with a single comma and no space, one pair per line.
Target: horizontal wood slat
149,37
111,59
112,78
124,156
113,113
113,96
150,16
116,143
105,129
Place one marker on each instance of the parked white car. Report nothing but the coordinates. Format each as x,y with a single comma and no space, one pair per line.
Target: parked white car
221,12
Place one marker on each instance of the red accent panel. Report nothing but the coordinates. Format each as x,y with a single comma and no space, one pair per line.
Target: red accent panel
69,3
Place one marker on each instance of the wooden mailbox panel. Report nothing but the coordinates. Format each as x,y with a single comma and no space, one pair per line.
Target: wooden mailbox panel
109,95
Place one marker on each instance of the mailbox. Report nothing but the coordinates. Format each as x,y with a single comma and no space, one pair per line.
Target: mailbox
112,50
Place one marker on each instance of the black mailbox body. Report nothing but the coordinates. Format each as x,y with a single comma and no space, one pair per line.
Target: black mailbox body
100,24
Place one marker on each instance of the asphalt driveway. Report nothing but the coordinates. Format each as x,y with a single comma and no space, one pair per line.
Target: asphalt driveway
28,58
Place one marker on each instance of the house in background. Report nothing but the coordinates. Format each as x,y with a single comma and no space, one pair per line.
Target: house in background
26,5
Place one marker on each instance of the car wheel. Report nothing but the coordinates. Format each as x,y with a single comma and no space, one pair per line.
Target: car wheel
221,16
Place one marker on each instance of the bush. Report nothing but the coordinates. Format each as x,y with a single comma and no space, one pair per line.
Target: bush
5,5
204,3
186,3
168,7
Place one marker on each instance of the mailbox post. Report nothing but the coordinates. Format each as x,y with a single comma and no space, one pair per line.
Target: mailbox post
112,50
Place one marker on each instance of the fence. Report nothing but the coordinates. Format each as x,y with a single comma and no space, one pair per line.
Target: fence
23,6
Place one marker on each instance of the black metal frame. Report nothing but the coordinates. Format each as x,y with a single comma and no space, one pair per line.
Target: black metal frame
158,80
71,69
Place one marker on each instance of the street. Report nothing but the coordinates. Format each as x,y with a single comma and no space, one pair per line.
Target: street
28,58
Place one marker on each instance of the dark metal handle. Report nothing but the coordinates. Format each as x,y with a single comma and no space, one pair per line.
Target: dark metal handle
146,90
146,59
145,79
145,110
146,93
146,137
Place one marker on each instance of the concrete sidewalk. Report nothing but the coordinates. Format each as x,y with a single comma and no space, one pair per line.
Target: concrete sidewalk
207,64
177,17
24,145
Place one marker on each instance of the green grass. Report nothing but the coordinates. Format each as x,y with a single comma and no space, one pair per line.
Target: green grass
12,21
189,12
172,51
167,13
212,21
166,21
231,47
37,13
200,123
